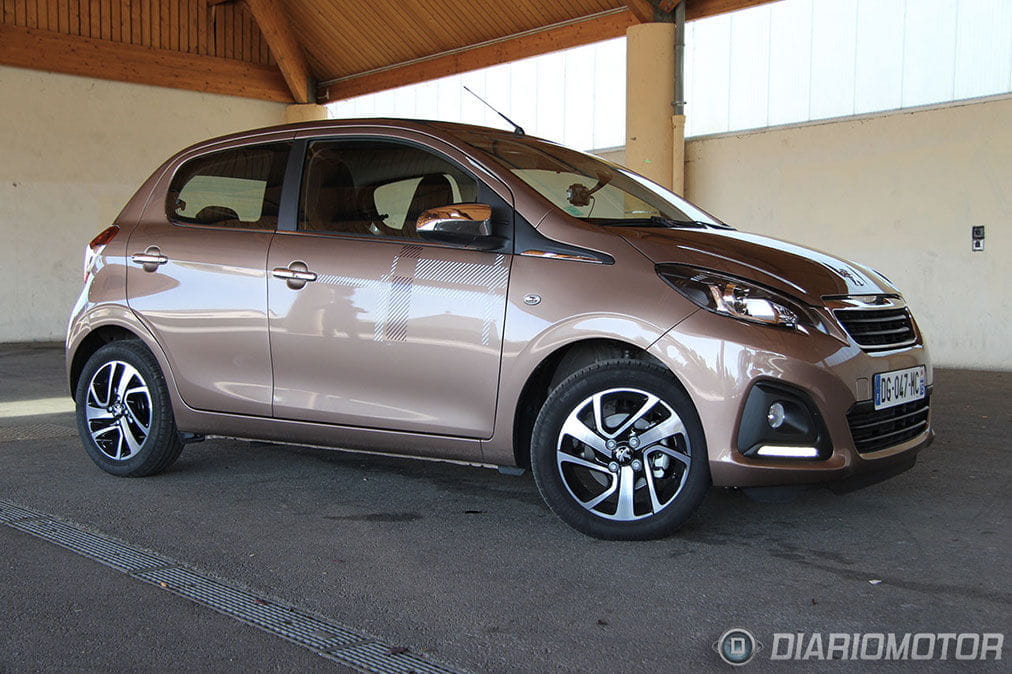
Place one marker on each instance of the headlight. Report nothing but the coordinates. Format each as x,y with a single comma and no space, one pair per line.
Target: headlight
735,297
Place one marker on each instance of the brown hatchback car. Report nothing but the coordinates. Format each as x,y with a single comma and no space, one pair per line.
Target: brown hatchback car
463,293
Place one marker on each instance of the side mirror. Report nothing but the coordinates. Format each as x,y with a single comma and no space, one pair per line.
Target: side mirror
465,225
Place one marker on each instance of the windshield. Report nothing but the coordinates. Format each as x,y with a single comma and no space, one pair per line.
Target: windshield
587,187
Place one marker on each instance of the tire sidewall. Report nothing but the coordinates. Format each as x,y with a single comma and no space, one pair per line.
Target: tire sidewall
162,438
573,391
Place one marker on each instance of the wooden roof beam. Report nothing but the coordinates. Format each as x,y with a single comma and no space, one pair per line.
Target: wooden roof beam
285,48
75,55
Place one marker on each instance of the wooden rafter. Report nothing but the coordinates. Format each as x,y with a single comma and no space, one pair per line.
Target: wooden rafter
277,30
90,57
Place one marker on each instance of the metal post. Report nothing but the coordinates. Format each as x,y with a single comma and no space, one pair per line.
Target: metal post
679,102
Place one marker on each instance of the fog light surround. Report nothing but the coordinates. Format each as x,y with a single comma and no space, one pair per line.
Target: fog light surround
781,422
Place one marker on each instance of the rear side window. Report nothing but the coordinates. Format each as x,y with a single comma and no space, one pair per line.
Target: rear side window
239,188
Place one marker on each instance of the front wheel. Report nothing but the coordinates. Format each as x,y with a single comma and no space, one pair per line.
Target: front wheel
618,451
124,415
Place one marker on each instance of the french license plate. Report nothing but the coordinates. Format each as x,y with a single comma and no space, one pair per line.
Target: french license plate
899,386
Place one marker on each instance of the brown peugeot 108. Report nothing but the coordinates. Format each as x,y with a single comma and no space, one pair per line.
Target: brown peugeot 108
463,293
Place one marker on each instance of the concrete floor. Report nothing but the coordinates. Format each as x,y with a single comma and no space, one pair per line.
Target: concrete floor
470,566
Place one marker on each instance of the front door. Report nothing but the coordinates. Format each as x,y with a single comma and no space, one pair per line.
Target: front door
369,325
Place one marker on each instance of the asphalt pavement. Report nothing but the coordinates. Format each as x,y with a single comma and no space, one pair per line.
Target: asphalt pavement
469,567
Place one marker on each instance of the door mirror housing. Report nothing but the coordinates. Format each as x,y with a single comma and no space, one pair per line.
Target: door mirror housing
464,225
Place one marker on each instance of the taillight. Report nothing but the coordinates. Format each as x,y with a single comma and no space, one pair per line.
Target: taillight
104,237
94,248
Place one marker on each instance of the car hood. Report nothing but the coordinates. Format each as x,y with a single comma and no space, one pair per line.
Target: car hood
802,272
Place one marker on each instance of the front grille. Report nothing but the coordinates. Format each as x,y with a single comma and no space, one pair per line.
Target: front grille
878,329
873,429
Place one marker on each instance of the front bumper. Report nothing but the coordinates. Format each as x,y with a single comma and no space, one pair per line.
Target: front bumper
719,359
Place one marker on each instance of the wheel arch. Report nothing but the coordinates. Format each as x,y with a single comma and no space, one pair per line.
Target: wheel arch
91,343
104,324
556,367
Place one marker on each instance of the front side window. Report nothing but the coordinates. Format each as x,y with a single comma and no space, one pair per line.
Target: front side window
376,188
238,188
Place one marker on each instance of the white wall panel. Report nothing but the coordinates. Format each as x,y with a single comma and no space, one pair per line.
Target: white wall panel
549,114
790,41
450,91
579,93
748,103
929,51
609,93
427,100
523,103
983,48
834,32
878,69
707,111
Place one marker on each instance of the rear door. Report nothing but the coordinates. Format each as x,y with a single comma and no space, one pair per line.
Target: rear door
382,329
197,273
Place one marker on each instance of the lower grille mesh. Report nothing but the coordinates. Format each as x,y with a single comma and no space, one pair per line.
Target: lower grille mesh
873,429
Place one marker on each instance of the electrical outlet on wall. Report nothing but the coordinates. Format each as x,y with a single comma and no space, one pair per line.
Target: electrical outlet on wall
977,238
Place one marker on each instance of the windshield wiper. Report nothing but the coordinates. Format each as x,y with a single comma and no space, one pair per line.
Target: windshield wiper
658,221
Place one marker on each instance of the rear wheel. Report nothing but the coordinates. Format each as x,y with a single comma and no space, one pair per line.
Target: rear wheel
618,451
124,415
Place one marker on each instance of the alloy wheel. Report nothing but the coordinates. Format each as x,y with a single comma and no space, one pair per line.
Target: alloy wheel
623,454
118,410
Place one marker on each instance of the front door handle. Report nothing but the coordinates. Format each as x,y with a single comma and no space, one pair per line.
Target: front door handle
150,259
297,274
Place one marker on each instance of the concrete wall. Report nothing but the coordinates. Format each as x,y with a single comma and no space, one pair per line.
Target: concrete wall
898,192
72,151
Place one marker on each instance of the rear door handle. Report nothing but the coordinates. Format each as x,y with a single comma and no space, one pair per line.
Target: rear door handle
297,274
150,259
293,274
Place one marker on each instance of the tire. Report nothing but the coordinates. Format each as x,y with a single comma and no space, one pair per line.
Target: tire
610,484
124,415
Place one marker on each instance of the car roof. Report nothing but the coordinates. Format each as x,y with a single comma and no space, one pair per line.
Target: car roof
432,127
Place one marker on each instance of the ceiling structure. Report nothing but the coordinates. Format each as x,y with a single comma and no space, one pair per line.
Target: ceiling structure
308,50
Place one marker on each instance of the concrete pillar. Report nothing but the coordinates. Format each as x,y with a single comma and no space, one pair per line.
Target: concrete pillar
650,89
305,112
655,137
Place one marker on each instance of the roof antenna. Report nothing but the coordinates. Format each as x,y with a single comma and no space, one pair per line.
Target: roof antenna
517,129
